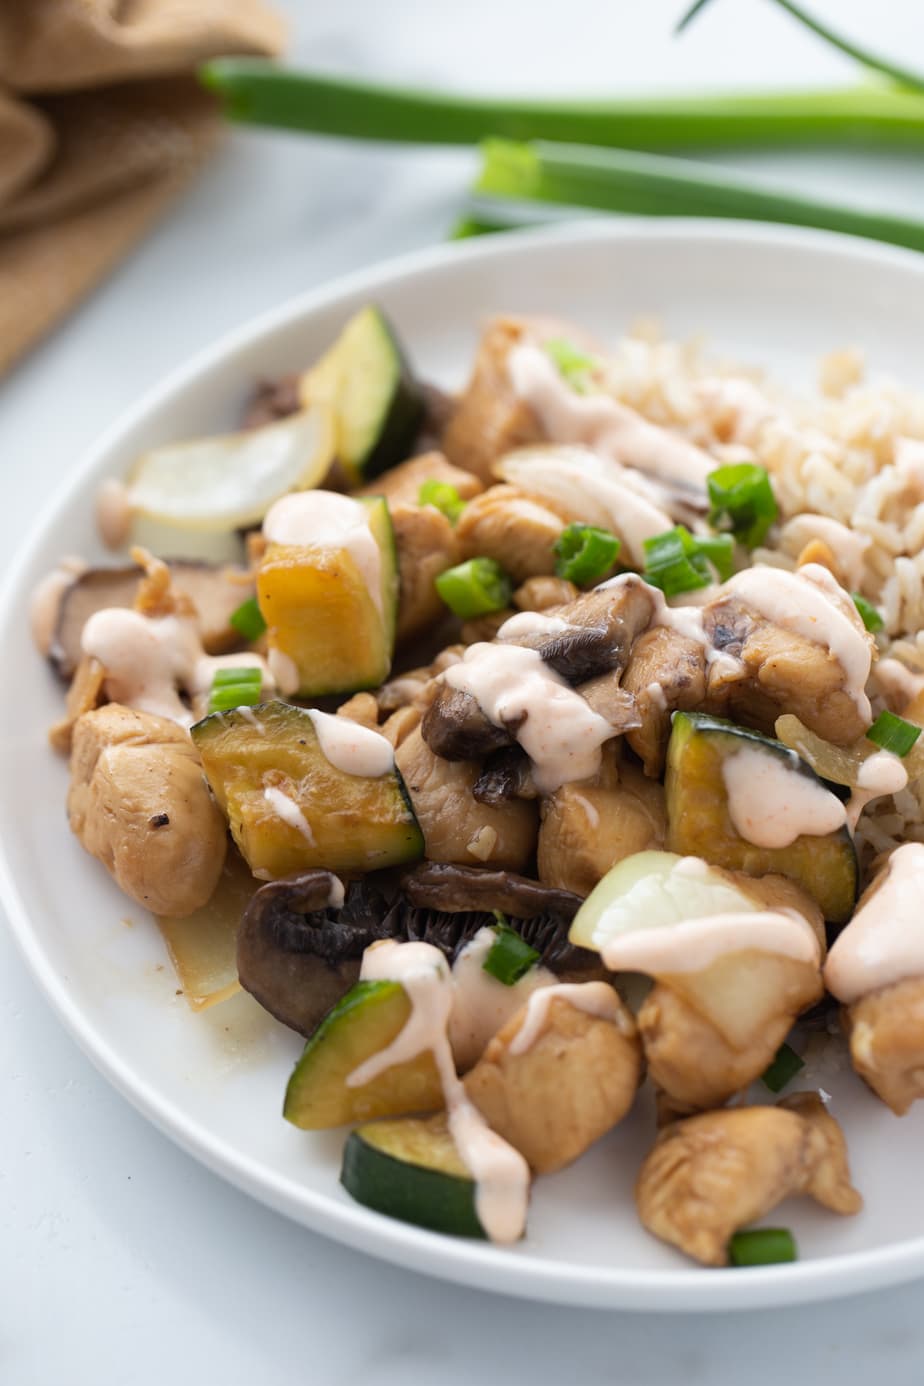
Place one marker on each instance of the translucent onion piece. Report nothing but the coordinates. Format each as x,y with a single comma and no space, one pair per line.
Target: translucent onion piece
203,946
839,763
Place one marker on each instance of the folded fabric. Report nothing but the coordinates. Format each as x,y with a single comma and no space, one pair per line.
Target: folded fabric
101,125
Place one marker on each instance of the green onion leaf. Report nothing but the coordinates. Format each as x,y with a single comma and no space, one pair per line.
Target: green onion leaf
574,365
234,695
742,501
762,1246
247,673
869,614
678,561
442,497
248,620
475,588
510,957
583,553
783,1069
893,733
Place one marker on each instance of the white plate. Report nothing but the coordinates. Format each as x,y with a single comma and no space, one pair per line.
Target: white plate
214,1082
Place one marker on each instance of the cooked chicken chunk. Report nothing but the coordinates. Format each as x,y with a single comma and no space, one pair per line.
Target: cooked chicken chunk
139,802
886,1032
517,530
401,485
712,1174
577,1079
361,708
666,673
427,545
488,419
588,827
544,594
455,826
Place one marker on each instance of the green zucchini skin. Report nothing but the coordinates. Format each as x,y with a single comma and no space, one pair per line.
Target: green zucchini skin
699,823
424,1197
400,424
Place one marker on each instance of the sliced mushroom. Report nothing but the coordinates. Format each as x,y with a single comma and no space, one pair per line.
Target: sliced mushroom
455,727
215,592
446,886
272,400
505,775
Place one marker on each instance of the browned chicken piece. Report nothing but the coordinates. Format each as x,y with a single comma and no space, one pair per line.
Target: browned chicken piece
361,708
886,1034
712,1174
666,673
400,724
784,672
138,801
586,828
488,419
517,530
427,545
708,1034
576,1080
416,686
544,594
483,627
456,827
401,485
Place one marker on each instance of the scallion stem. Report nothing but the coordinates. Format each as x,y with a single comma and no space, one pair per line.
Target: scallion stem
612,180
260,93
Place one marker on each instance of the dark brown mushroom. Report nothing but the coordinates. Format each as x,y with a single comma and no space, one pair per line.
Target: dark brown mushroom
216,591
507,774
272,400
297,955
455,727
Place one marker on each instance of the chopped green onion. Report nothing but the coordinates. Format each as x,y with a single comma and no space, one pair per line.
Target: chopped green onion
869,614
246,673
893,733
248,620
742,498
442,497
262,93
583,553
510,957
783,1069
574,365
475,588
624,180
678,561
762,1246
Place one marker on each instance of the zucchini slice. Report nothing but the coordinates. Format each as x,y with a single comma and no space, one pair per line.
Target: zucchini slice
378,405
700,822
289,807
412,1170
363,1023
321,615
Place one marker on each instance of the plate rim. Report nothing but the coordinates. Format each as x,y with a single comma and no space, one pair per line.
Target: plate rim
475,1264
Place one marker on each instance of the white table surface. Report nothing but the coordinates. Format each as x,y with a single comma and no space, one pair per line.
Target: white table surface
121,1260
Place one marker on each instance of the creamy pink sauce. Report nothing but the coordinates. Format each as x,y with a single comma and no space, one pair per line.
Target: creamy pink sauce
45,601
482,1004
147,660
327,520
898,683
884,942
284,670
849,547
288,810
501,1174
336,894
881,773
686,621
594,998
694,944
354,749
591,488
770,804
811,603
113,513
561,733
602,422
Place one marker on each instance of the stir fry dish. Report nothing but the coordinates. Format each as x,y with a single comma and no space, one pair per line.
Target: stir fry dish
525,747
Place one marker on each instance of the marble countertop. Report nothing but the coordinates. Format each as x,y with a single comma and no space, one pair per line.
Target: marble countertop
121,1260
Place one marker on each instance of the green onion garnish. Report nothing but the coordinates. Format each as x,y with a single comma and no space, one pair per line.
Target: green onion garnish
742,501
583,553
442,497
475,588
235,687
870,615
248,620
783,1069
762,1246
574,365
893,733
678,561
510,957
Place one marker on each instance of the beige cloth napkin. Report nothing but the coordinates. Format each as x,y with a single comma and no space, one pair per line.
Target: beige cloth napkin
101,125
